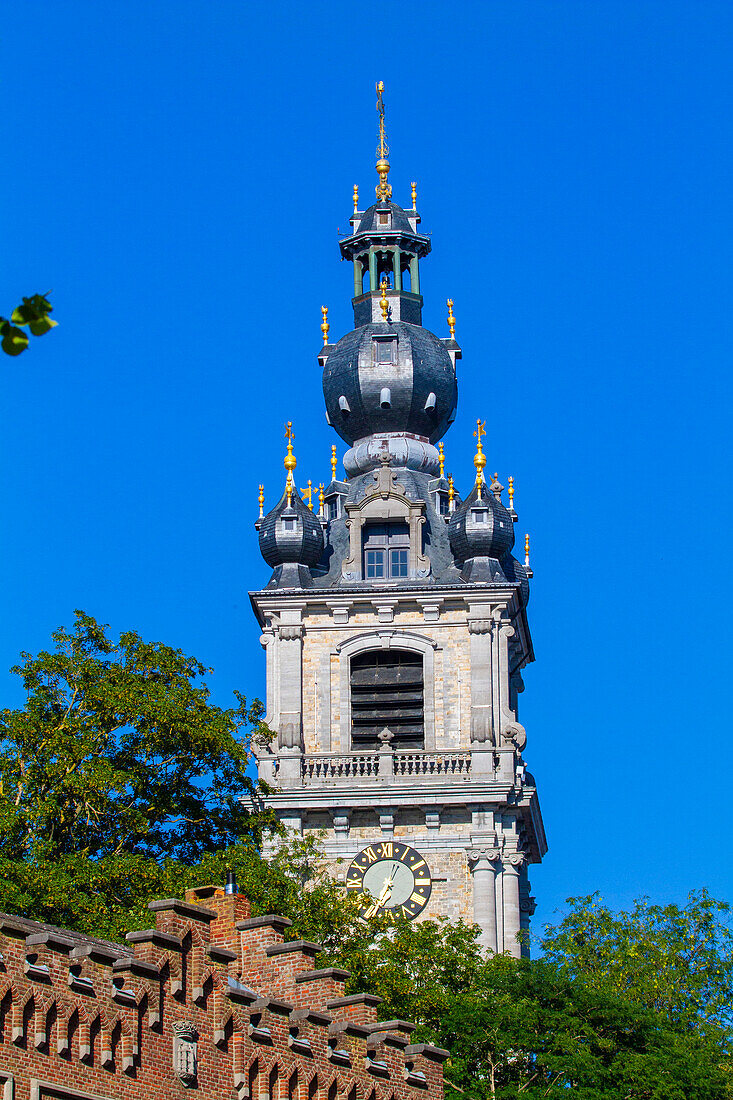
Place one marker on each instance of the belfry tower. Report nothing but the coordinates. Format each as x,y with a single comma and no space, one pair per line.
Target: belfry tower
395,624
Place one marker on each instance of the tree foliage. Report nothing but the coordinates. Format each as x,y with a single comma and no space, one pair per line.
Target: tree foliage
33,314
119,750
676,960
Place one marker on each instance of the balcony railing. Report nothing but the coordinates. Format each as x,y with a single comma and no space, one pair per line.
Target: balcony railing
314,769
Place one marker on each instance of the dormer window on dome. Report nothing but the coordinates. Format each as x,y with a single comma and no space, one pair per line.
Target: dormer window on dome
384,349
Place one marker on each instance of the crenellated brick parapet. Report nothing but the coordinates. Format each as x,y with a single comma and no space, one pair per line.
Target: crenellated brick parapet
209,999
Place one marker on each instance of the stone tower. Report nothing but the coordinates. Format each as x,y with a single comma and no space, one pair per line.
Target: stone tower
395,623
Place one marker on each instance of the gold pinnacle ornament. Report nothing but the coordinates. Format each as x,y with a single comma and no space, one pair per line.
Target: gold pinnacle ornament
356,198
479,458
261,500
308,494
413,185
289,461
526,551
383,301
384,189
334,462
324,324
510,480
451,319
321,499
451,492
441,458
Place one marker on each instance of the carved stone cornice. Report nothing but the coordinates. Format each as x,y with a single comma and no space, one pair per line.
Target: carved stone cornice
291,633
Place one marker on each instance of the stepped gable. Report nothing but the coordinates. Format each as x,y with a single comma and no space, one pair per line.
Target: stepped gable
208,998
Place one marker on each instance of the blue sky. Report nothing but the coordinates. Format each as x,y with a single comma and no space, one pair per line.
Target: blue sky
177,173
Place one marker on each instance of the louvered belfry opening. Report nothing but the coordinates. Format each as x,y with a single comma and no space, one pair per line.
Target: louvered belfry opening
387,690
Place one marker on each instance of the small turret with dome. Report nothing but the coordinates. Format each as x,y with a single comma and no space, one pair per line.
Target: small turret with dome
481,529
291,536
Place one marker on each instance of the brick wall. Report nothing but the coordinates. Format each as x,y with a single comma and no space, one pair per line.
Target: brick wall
88,1019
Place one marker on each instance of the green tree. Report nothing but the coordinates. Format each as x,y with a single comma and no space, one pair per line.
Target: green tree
118,776
677,960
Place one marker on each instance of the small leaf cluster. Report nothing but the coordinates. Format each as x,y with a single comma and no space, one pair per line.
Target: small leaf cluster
33,314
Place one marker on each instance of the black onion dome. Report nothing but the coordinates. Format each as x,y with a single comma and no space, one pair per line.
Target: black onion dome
291,533
415,393
398,222
480,527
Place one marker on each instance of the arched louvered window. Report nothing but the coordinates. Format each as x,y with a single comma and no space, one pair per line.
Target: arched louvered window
387,690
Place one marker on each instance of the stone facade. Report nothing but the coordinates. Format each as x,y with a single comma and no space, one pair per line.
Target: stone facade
210,1000
417,592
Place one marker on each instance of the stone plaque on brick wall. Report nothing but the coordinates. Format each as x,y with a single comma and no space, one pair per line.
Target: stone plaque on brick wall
185,1052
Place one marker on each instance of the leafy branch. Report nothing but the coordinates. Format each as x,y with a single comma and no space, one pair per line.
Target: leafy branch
33,314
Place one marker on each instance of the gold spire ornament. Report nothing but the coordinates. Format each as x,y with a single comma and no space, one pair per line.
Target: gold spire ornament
261,501
510,481
383,301
308,494
451,492
334,462
321,499
289,461
479,460
384,189
451,319
441,458
526,555
324,324
413,185
356,198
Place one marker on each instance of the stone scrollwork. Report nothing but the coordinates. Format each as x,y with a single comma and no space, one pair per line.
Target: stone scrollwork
479,626
515,734
185,1052
480,855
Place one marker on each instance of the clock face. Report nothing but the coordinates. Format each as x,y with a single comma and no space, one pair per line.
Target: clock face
390,877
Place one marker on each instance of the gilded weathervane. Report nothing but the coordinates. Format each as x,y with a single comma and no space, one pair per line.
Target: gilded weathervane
384,189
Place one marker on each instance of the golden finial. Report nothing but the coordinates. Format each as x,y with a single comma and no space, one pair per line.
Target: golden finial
383,302
308,494
510,481
334,462
261,500
480,458
526,552
356,198
441,458
384,189
451,319
324,324
413,185
451,492
321,499
289,461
